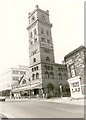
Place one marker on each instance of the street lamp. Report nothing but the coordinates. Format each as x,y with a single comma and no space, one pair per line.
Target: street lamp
29,89
61,90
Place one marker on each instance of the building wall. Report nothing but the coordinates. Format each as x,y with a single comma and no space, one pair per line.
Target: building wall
76,65
9,78
5,80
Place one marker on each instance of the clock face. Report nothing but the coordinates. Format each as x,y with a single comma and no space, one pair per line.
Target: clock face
33,18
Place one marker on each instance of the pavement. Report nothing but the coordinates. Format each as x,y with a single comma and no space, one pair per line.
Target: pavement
64,100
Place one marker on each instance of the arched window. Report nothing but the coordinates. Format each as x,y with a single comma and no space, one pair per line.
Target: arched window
47,32
51,67
35,32
65,76
42,31
31,35
37,75
24,81
45,66
35,40
29,79
32,69
33,77
37,67
47,58
46,75
48,67
52,75
48,41
60,76
34,60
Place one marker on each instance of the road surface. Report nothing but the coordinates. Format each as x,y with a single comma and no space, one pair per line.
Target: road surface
40,109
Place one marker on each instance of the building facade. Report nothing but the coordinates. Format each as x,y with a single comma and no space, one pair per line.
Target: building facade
76,65
41,52
11,77
43,76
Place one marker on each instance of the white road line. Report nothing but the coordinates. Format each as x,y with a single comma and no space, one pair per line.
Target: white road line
8,115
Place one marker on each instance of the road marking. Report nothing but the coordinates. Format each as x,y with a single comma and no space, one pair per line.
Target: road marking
8,115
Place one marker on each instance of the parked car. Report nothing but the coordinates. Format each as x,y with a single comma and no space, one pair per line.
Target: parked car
2,98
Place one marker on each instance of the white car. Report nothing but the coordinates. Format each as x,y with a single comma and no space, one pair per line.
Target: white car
2,98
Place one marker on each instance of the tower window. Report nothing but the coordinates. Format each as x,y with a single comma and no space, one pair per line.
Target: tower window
46,74
52,75
32,69
31,42
47,58
51,67
60,76
34,60
37,67
37,75
47,32
35,32
48,40
42,31
31,35
33,76
43,40
35,40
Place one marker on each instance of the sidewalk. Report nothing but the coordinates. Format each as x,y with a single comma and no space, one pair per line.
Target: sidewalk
67,100
64,100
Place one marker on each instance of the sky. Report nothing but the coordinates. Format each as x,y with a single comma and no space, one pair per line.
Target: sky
67,17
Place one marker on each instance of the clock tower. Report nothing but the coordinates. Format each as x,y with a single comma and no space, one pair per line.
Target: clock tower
40,43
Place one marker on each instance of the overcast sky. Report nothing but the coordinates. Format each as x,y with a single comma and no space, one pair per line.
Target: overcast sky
67,17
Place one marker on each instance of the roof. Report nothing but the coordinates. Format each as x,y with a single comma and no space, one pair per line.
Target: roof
74,51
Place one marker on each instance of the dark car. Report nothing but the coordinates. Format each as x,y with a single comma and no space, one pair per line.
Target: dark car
2,98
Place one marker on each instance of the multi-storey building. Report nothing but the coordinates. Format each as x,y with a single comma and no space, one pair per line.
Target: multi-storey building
41,54
76,65
44,75
10,77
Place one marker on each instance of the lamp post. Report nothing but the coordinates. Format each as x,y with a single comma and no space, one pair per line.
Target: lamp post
61,90
30,85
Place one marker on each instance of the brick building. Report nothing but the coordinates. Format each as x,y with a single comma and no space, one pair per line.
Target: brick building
42,67
76,65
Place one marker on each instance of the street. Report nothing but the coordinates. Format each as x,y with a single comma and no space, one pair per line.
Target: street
40,109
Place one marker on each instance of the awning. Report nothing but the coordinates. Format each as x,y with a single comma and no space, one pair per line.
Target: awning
28,87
